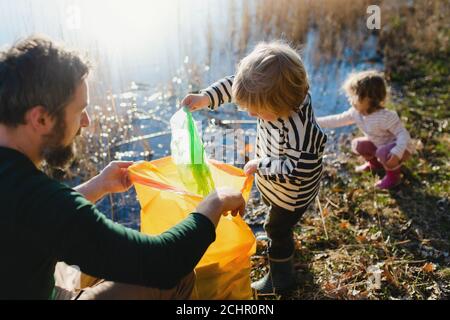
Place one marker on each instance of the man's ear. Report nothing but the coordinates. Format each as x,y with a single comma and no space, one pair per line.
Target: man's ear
39,119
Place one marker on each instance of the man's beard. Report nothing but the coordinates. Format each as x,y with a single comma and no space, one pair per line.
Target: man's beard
55,154
59,156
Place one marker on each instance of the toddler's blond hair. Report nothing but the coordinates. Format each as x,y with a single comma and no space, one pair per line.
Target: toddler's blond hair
271,78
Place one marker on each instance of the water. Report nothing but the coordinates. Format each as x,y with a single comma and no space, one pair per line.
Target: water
149,54
139,40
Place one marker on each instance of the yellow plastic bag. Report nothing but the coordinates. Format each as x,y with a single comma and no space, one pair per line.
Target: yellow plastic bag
224,271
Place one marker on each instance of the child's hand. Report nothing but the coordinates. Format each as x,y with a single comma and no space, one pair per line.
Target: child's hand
196,101
393,161
251,167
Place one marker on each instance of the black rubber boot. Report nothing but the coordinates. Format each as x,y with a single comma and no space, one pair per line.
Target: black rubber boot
280,279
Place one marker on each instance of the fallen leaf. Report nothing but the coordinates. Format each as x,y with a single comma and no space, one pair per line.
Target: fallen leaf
361,238
389,275
344,224
429,267
329,286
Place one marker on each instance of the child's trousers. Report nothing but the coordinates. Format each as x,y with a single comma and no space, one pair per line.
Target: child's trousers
279,227
368,151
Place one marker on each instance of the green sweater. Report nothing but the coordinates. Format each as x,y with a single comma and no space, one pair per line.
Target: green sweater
43,221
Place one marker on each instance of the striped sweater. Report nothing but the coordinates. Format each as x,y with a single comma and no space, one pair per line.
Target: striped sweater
290,152
381,127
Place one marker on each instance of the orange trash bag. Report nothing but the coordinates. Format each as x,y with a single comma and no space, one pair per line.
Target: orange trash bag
224,271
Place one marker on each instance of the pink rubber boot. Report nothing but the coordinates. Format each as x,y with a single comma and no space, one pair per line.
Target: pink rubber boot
370,165
390,180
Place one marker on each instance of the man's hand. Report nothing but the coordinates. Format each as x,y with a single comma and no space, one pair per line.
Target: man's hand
196,102
251,167
393,161
113,179
222,202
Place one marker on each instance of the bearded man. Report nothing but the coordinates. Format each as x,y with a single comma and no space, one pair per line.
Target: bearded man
43,106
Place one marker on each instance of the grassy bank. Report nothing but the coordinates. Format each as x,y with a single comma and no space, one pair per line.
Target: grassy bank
372,244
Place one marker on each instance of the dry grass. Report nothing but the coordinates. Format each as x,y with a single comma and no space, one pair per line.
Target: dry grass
423,28
338,24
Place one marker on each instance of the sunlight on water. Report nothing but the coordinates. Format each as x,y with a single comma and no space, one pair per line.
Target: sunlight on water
132,36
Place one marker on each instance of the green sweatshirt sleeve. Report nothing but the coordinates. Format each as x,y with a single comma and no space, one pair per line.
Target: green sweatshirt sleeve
64,224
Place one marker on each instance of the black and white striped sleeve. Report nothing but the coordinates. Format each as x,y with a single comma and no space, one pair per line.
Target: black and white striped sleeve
283,147
270,166
220,92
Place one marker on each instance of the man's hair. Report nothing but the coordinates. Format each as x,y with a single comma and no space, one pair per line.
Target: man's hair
37,72
367,84
272,78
